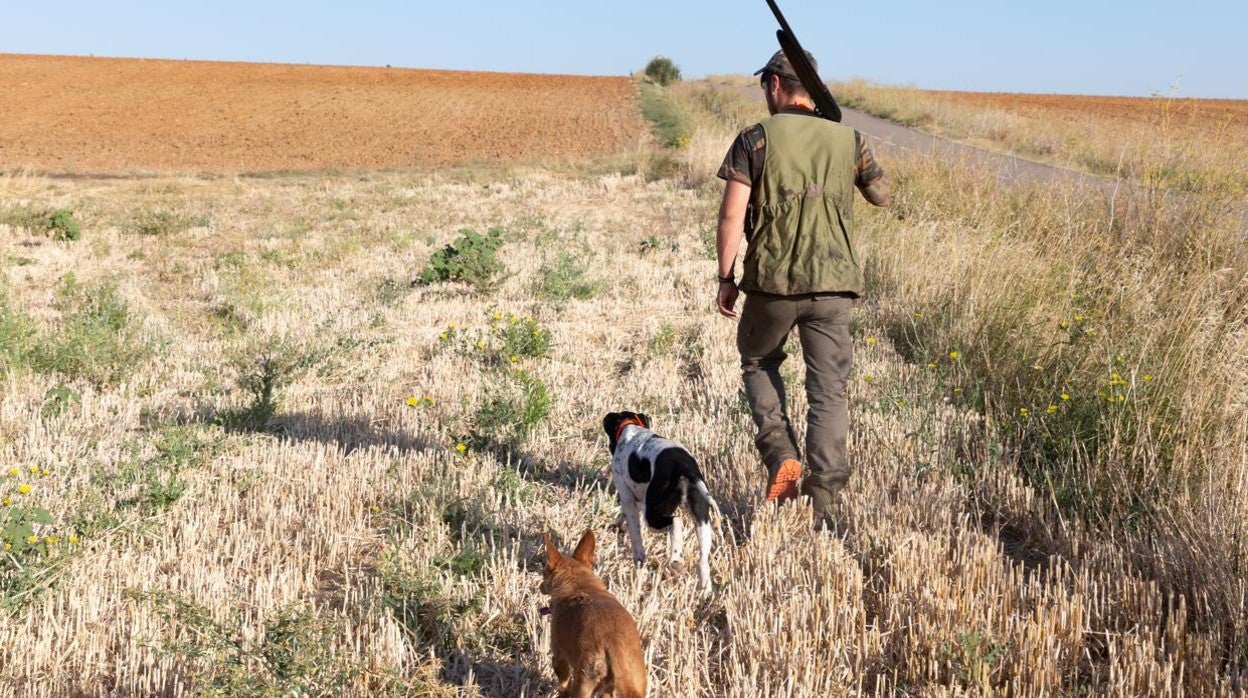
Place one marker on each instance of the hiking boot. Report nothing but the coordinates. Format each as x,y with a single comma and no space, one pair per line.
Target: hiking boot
782,485
825,503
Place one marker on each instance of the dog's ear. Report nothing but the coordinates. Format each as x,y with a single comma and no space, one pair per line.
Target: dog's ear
644,419
610,424
553,558
585,549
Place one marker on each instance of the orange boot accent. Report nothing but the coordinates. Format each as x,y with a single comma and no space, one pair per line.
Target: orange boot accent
783,485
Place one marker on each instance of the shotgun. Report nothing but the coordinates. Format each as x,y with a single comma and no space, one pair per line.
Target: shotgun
824,103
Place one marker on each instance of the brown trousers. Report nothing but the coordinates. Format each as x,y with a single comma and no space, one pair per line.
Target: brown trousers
822,322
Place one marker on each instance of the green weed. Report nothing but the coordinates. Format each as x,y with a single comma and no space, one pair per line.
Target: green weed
564,279
97,340
471,258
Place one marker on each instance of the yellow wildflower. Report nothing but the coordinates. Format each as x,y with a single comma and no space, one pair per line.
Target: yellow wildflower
1078,318
13,472
957,391
73,539
1065,396
1051,409
918,316
412,401
954,355
460,448
1122,398
34,469
32,539
1064,324
1148,377
442,336
931,364
24,489
1118,358
8,546
513,358
1037,367
870,340
52,540
429,400
480,344
1022,412
6,501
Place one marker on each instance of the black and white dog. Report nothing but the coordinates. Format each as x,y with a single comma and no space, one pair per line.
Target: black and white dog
659,476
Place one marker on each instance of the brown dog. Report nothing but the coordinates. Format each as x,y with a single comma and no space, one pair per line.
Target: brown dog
594,644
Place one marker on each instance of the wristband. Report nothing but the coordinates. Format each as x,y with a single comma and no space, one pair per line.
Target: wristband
726,280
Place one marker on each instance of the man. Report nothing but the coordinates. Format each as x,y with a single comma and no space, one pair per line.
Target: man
796,172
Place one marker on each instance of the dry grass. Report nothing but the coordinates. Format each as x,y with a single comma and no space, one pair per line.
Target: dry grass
1184,144
348,546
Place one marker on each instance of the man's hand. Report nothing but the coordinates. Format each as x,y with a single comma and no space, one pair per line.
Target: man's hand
726,298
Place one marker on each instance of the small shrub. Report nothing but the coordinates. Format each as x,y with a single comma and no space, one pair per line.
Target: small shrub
262,373
471,258
512,408
62,226
564,279
662,70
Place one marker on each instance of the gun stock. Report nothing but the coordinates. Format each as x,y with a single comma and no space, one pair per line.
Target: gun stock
806,73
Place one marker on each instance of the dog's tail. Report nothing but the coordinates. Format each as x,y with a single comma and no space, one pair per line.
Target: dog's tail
701,493
677,482
627,665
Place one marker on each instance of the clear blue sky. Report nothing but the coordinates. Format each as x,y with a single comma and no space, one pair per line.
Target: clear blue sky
1062,46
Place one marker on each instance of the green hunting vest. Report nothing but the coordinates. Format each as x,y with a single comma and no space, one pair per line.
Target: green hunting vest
803,210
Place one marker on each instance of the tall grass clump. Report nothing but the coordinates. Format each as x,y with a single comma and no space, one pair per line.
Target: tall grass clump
17,334
670,121
98,339
1102,342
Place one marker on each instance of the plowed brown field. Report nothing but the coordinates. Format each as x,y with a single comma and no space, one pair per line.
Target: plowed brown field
98,115
1189,114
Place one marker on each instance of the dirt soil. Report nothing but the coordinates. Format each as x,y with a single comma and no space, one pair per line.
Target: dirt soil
107,115
1206,116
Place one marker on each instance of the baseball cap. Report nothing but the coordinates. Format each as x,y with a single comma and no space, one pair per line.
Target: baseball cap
780,65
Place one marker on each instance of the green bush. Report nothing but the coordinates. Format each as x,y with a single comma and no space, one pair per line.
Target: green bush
62,226
471,258
662,70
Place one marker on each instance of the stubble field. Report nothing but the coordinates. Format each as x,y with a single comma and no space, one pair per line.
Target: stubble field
279,455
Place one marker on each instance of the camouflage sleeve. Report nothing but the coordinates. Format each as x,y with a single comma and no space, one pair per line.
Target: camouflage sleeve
869,176
741,164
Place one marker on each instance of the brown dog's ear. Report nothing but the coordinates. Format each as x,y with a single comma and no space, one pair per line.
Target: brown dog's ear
644,419
553,558
585,549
